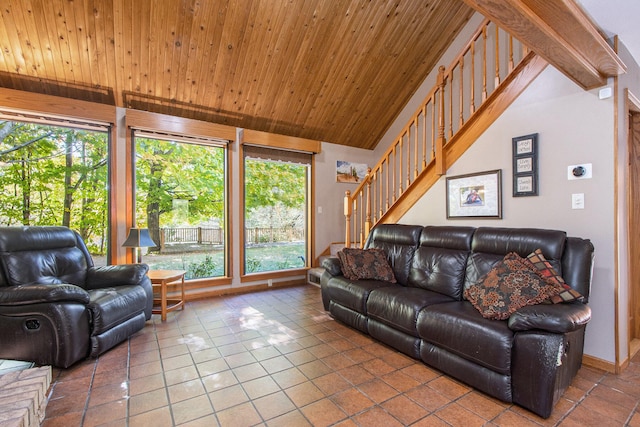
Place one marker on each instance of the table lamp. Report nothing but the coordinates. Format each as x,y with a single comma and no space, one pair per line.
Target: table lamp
139,238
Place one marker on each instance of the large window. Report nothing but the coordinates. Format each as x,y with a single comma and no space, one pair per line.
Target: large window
276,196
56,175
181,199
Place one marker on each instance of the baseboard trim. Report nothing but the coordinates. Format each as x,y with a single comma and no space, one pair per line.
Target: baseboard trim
595,362
195,295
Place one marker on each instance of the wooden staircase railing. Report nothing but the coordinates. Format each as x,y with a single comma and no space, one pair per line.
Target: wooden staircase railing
487,62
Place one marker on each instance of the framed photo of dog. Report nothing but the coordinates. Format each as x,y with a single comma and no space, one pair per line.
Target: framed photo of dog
475,195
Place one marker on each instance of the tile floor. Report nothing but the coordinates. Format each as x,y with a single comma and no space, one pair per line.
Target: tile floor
276,358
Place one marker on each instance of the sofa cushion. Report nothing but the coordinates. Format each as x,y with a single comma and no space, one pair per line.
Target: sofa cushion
45,267
42,255
352,294
116,275
547,272
550,317
111,306
491,244
440,261
439,270
359,264
398,307
577,265
512,283
399,241
460,329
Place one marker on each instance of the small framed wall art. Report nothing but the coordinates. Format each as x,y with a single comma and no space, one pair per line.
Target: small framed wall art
525,165
350,172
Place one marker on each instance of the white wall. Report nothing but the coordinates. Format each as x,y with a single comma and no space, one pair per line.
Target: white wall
573,126
329,194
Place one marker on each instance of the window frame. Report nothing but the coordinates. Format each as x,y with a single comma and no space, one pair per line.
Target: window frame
50,112
278,142
185,130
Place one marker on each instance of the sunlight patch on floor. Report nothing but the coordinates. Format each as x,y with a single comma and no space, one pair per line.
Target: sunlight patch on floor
253,319
194,342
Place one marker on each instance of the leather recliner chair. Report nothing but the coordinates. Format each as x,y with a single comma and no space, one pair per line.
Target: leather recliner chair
56,307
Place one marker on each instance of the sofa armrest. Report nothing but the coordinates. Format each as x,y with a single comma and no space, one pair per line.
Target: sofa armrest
332,266
37,294
558,318
116,275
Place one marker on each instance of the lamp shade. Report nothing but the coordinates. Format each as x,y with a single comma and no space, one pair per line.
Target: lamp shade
138,238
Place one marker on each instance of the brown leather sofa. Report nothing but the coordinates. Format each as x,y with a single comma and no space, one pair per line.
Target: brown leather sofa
56,307
529,359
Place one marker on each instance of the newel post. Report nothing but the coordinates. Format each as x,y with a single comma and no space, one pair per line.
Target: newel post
367,222
347,214
440,141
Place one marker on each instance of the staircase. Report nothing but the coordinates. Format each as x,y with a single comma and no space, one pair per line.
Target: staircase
490,72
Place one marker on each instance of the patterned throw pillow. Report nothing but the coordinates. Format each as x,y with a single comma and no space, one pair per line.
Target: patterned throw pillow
358,264
548,273
344,264
512,283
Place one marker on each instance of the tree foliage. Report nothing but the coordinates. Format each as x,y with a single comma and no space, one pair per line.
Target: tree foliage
54,176
275,193
59,176
168,173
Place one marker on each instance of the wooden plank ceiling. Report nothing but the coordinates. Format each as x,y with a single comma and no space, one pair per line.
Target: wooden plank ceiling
336,71
332,70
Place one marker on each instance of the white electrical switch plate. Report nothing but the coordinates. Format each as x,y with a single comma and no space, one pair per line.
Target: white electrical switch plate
582,171
577,201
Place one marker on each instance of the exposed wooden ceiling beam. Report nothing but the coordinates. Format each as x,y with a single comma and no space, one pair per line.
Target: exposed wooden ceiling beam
560,32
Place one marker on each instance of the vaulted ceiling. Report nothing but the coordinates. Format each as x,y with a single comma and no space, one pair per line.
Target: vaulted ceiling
336,71
332,70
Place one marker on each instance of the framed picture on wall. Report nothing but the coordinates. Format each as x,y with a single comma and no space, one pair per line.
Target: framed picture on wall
350,172
475,195
524,184
525,165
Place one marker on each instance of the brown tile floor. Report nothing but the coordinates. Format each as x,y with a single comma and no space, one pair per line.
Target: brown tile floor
276,359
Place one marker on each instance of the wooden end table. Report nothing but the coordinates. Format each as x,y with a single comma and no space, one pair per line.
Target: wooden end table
161,279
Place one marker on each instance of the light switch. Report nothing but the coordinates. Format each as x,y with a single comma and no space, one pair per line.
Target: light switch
577,201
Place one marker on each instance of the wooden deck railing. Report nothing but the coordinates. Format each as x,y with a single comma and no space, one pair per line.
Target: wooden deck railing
479,69
201,236
198,235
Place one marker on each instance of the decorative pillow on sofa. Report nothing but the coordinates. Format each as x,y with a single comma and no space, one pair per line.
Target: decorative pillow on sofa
548,273
357,264
512,283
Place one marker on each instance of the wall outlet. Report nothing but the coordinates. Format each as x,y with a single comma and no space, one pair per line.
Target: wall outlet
269,282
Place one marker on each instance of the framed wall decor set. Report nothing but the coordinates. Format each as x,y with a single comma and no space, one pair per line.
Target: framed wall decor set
525,165
479,195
